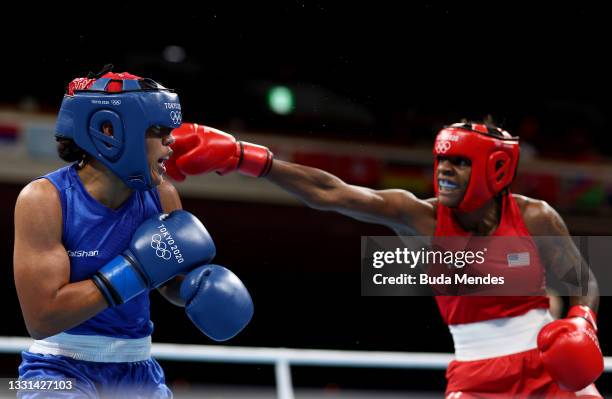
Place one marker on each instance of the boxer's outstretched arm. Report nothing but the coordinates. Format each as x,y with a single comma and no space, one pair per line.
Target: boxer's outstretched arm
318,189
49,302
201,149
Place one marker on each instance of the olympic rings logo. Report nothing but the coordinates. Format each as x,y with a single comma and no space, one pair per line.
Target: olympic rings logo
442,146
116,102
160,247
176,117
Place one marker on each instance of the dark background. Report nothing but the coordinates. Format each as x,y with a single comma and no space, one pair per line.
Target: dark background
541,71
408,68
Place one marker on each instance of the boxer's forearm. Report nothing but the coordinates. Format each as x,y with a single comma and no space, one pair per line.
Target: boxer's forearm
310,185
72,305
591,300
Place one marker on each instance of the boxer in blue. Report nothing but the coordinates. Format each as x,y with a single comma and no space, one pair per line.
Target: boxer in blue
93,238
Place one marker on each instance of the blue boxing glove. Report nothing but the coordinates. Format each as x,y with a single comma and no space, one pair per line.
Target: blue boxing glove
216,301
164,246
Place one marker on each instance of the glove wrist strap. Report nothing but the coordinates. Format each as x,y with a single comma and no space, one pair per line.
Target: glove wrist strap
585,312
255,160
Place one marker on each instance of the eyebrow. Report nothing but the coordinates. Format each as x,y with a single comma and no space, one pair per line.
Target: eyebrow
159,131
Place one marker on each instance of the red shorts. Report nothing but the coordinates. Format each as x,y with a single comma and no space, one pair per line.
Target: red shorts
520,375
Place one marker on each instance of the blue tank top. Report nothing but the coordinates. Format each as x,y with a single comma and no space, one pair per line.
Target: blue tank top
93,234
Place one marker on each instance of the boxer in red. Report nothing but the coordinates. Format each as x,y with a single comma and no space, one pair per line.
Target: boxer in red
505,346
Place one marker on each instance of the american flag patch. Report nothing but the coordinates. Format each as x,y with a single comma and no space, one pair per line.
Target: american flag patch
518,259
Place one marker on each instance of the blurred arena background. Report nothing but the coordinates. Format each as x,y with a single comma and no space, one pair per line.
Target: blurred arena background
357,90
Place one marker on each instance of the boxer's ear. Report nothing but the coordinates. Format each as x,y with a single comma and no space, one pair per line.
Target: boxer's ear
107,129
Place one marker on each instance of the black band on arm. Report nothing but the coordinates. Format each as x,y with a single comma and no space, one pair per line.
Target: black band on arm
107,290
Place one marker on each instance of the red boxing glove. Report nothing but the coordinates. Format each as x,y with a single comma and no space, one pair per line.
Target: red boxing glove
570,350
201,149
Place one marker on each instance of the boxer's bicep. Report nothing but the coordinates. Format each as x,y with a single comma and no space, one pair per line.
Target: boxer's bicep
558,250
41,263
563,257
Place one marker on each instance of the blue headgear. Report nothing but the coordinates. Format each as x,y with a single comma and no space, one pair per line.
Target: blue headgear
138,106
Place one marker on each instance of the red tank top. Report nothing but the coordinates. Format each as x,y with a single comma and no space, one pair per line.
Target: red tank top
470,309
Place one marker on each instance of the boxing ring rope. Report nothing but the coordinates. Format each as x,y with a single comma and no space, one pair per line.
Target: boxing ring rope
284,358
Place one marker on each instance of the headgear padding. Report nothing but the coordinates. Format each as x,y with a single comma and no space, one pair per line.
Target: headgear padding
131,105
494,154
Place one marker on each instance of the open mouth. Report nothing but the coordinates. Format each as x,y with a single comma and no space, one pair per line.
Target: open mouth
446,185
161,162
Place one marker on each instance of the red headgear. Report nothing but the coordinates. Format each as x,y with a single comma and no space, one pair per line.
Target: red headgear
494,159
